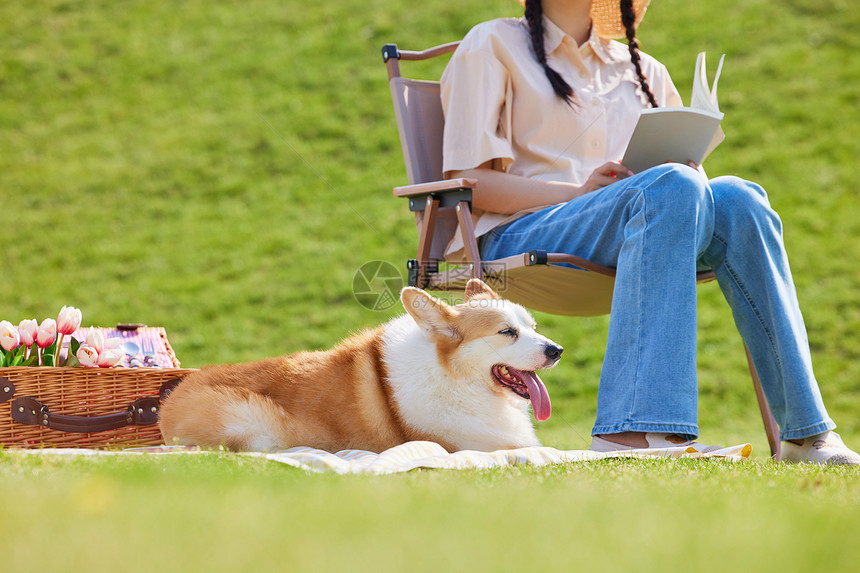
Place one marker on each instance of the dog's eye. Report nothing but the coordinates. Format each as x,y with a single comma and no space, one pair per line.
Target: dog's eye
509,332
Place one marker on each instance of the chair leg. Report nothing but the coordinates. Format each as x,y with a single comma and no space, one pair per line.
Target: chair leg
770,426
425,240
464,216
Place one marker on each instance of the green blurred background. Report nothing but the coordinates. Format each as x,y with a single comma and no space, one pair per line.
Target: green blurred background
223,169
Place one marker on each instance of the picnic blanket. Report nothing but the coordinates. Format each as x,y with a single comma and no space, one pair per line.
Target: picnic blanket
415,455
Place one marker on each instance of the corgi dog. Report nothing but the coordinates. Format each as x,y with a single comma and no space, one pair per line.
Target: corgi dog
461,375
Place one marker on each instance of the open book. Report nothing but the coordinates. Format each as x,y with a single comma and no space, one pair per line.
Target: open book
679,134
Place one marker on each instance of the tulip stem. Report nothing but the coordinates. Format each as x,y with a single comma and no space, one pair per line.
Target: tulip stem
59,349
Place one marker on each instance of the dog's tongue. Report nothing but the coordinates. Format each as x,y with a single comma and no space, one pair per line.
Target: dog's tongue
538,395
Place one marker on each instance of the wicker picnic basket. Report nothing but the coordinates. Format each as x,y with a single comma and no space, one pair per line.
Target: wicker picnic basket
64,407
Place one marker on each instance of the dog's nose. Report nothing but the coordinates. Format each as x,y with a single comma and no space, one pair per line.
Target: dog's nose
553,351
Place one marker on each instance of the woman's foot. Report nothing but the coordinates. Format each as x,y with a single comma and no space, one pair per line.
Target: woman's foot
826,448
642,440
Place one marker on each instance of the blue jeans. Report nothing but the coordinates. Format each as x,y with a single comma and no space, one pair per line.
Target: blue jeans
657,228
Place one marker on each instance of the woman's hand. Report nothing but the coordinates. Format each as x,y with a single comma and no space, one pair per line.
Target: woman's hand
605,175
613,171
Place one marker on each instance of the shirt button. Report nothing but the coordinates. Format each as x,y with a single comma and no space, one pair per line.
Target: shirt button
595,144
595,101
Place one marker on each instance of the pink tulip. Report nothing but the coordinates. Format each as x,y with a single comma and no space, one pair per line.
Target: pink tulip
9,337
47,333
96,339
28,330
69,320
109,357
100,351
88,356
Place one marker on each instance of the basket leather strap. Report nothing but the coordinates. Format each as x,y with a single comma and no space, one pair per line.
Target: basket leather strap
7,390
29,411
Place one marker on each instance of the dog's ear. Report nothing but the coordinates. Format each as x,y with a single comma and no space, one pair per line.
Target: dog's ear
477,289
434,316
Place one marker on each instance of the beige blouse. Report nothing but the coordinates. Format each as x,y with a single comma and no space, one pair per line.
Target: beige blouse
500,107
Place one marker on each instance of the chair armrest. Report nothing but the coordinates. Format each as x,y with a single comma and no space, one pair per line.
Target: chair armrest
449,192
445,186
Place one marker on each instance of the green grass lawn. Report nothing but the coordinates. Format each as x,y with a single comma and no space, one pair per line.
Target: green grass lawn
229,513
224,169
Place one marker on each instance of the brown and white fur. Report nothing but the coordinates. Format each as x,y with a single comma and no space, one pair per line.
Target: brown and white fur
459,375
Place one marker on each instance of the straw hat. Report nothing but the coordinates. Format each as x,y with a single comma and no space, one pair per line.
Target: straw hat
606,16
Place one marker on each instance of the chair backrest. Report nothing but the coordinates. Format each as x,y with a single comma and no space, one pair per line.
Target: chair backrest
420,123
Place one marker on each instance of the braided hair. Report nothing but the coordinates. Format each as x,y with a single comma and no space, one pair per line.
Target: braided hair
534,19
628,18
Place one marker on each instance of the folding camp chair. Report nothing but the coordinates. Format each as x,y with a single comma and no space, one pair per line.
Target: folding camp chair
537,279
